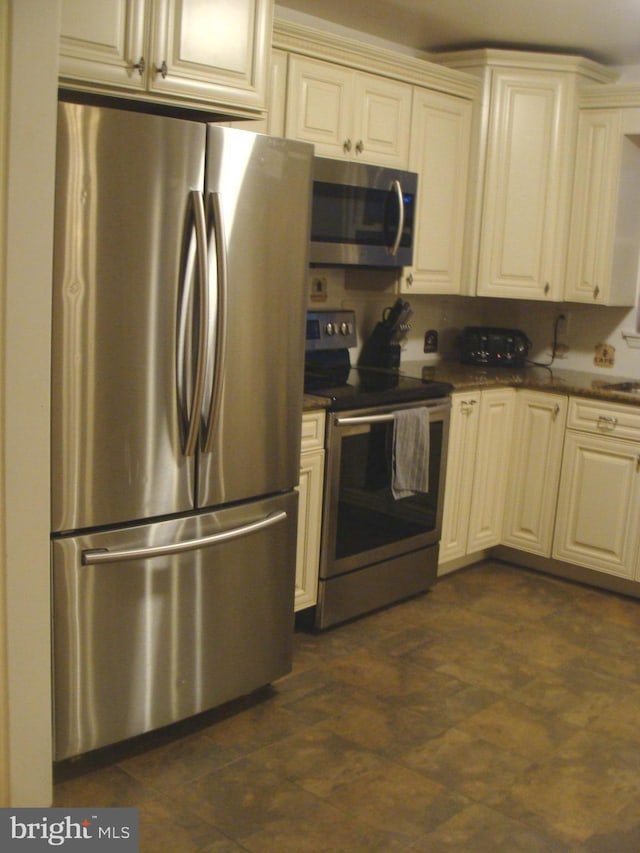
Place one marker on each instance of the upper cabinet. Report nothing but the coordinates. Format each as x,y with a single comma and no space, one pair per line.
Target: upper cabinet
439,153
525,140
604,244
348,114
209,54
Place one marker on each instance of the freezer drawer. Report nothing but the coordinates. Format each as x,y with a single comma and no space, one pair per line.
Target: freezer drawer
143,641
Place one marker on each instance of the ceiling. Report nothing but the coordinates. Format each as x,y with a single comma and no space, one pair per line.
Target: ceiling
605,30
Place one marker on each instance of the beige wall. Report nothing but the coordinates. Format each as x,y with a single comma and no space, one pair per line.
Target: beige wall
27,202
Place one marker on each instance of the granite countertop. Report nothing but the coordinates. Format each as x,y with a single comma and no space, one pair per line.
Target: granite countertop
552,380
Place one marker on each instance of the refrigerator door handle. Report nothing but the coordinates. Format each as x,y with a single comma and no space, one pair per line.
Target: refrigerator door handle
219,288
191,413
94,557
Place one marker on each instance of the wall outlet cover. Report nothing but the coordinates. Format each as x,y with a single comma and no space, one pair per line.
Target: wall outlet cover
604,355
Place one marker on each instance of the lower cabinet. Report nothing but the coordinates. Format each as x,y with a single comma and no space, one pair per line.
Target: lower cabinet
536,457
463,435
599,499
309,509
479,442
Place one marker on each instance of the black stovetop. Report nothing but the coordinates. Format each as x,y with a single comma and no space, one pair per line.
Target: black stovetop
364,387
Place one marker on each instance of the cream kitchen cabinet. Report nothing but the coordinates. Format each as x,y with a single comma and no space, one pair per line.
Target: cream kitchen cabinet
602,265
439,153
491,470
310,491
525,207
203,53
599,498
273,122
534,471
348,114
479,444
525,141
463,437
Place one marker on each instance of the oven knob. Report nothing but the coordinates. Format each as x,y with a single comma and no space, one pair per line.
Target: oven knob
344,328
330,329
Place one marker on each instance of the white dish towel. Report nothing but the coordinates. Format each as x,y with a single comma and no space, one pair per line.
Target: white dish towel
410,452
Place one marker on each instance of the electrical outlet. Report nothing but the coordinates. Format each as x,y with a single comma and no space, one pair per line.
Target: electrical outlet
319,289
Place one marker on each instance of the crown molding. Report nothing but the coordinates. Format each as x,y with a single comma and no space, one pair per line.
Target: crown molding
342,50
616,96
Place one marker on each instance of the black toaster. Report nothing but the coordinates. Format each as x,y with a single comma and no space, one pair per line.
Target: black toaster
491,346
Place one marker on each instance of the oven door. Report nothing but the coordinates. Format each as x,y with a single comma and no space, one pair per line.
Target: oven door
363,522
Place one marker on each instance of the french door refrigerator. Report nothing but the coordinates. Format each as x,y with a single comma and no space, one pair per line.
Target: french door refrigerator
178,347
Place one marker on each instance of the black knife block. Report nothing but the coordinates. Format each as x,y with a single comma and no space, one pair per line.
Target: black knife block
378,351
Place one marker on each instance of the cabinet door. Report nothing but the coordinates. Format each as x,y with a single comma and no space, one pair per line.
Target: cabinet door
440,139
525,205
599,504
593,212
212,50
532,491
382,118
319,104
273,124
101,41
463,433
602,265
309,523
491,469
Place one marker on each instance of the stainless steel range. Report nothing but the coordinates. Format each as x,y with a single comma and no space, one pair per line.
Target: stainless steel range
378,546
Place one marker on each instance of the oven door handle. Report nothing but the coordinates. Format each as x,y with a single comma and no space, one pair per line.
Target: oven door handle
385,418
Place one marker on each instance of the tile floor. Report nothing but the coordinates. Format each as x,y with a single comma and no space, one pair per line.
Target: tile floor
499,712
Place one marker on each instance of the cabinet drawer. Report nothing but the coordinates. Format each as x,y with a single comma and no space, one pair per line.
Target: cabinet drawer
312,431
603,418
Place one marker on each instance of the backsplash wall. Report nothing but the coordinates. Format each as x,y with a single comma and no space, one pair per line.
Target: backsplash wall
368,292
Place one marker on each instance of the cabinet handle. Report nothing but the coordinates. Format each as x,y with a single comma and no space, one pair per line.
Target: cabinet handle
140,65
556,411
607,422
410,280
547,288
638,463
596,292
346,146
359,147
163,69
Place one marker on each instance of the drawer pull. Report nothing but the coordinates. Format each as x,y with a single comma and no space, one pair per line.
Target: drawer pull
607,422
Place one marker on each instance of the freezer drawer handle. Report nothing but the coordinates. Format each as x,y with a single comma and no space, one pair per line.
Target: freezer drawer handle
97,556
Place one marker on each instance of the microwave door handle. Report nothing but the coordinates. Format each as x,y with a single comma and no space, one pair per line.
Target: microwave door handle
190,414
220,293
397,188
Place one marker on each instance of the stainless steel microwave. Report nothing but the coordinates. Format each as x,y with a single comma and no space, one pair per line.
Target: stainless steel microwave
362,215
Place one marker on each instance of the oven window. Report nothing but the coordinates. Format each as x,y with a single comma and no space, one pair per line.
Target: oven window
368,515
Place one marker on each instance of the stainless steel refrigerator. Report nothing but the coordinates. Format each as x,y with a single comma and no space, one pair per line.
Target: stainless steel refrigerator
178,347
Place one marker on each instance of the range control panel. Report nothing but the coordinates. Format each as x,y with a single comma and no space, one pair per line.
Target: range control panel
330,329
